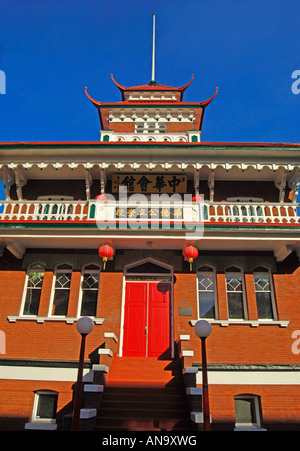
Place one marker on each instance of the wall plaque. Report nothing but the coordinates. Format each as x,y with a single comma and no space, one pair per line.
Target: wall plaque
185,311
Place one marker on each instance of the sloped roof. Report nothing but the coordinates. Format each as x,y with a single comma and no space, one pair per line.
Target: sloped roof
152,86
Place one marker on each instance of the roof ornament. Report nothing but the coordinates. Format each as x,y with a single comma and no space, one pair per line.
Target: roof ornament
153,82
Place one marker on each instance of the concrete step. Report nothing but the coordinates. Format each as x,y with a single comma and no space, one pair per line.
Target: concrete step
143,369
142,424
144,394
153,414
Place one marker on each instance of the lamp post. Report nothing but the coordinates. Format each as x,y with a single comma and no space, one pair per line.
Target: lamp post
203,330
84,326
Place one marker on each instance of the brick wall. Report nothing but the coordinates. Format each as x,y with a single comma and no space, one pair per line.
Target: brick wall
122,127
234,343
279,404
17,400
241,344
55,340
178,127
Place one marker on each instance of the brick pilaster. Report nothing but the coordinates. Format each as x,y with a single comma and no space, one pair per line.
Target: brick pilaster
222,297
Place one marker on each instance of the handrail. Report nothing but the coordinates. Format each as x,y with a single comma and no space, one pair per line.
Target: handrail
173,211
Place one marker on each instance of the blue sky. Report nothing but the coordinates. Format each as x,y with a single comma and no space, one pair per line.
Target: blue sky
52,49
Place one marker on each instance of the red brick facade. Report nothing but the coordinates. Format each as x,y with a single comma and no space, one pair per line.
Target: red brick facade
231,344
244,282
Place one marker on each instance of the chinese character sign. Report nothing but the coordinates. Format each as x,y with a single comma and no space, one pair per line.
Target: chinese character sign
150,183
150,213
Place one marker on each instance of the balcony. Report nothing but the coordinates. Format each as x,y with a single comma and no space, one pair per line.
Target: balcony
177,214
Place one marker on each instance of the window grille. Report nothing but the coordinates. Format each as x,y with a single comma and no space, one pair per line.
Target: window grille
264,293
90,287
235,293
35,279
206,292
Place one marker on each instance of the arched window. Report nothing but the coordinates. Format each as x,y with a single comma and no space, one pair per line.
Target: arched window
33,289
139,128
61,290
264,292
89,290
151,127
206,285
162,128
235,293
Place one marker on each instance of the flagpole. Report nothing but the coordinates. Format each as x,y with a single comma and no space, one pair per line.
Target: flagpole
153,52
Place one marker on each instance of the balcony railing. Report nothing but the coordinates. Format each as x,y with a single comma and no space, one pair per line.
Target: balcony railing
172,213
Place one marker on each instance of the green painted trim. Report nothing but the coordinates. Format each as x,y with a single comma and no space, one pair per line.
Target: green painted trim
169,146
93,225
43,363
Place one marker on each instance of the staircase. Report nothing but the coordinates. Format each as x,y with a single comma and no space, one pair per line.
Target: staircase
144,394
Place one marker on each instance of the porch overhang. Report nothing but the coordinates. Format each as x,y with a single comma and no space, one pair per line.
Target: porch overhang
281,240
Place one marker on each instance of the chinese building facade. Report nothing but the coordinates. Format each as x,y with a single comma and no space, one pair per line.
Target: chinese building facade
148,190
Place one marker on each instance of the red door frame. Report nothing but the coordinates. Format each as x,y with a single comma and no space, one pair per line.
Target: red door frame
146,319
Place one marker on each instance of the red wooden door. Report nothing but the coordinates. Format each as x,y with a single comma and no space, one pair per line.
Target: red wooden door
146,321
158,321
135,319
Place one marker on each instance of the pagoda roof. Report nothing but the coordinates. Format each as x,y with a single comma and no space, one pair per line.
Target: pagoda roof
152,86
140,102
166,102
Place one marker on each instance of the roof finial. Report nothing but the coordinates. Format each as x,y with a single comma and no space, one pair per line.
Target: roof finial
153,54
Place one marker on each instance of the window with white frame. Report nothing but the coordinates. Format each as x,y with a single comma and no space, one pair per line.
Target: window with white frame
151,127
264,293
235,293
33,289
206,285
45,406
89,290
247,411
61,290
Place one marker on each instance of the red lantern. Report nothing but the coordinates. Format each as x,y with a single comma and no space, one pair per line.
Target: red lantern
101,197
197,198
190,253
163,287
105,253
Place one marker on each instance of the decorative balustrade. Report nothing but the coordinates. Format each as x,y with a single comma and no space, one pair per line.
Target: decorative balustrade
29,210
165,213
258,212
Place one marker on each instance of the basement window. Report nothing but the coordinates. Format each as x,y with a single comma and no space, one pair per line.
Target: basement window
247,412
44,407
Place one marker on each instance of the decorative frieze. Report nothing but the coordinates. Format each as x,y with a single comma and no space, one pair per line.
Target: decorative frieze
152,165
